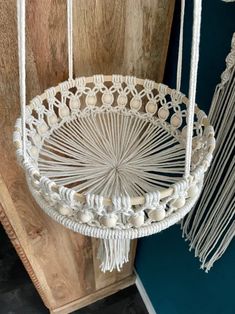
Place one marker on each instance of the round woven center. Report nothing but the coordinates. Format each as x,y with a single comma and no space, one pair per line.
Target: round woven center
112,153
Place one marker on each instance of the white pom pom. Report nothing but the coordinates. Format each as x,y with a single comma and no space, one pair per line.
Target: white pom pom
137,220
65,210
179,202
193,191
157,214
109,220
85,217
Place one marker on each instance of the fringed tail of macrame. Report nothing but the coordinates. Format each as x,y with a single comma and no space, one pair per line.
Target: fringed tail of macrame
210,227
113,253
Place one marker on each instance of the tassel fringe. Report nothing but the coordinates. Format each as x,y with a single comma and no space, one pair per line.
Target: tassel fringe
113,253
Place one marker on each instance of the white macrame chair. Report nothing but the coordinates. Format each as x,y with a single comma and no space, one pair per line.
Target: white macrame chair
114,157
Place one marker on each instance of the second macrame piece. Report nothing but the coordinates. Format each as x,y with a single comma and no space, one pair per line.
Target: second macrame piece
114,157
210,226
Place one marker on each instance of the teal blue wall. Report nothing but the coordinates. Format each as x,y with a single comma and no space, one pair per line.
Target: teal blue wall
169,272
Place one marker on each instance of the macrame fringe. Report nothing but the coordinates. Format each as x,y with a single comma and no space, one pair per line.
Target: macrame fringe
210,227
113,253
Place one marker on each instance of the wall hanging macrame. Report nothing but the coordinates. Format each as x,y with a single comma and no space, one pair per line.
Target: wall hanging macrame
110,156
210,227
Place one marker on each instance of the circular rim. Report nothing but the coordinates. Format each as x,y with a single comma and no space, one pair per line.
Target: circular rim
107,233
139,200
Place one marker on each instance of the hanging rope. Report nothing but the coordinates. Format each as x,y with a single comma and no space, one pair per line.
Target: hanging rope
193,82
22,71
70,36
210,227
180,51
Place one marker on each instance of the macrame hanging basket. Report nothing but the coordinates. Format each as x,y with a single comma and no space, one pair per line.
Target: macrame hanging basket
105,156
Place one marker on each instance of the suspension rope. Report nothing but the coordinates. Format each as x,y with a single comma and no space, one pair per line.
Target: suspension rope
193,70
180,51
22,71
193,82
70,36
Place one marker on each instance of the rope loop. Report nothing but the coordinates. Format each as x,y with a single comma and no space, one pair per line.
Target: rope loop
163,89
64,86
67,195
122,204
46,185
98,80
80,83
152,200
50,92
179,188
117,80
131,82
149,85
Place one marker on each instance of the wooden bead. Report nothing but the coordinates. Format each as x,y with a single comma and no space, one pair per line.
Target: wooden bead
157,214
184,131
42,128
65,210
107,98
135,103
36,184
179,202
196,157
109,220
193,191
151,107
52,120
122,100
91,100
34,151
63,111
37,138
196,144
74,103
176,120
137,220
85,217
163,113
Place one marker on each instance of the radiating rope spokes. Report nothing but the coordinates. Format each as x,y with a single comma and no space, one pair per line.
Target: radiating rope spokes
111,153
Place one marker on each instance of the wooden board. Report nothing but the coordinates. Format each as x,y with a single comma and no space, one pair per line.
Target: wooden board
121,36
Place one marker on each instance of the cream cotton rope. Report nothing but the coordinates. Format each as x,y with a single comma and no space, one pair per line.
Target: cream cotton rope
106,154
210,227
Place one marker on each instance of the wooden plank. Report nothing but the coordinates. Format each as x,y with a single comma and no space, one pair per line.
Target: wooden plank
98,295
128,37
121,36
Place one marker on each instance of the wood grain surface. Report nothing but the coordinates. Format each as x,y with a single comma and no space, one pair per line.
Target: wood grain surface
121,36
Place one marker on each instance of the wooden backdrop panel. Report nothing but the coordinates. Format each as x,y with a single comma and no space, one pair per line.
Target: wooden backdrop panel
121,36
128,37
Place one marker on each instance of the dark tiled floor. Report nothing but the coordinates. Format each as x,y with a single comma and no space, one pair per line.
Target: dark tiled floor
18,295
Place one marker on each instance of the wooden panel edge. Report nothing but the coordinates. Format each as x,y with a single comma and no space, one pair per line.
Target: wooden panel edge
100,294
18,247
